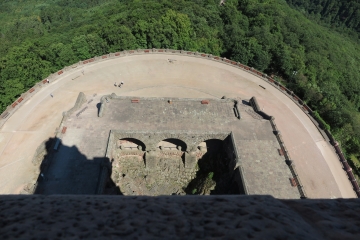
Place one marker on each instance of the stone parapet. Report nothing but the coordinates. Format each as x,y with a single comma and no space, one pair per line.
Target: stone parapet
176,217
285,152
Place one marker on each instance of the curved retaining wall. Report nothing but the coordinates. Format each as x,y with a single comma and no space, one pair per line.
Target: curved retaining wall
306,109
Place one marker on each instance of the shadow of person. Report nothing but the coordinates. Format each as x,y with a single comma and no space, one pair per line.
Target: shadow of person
98,106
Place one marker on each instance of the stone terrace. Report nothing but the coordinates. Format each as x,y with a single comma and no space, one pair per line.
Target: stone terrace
265,171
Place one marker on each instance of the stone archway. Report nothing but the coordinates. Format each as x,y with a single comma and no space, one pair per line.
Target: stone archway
172,144
131,143
211,145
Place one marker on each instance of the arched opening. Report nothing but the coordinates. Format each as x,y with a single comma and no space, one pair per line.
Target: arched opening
211,146
131,143
172,144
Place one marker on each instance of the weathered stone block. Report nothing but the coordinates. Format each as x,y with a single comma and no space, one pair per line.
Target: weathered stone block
190,160
151,160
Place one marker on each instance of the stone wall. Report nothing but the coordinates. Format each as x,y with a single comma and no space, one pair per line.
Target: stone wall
164,174
151,139
162,169
81,99
255,105
284,150
176,217
55,76
235,168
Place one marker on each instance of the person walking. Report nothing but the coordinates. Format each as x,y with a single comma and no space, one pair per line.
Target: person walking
115,84
121,83
51,95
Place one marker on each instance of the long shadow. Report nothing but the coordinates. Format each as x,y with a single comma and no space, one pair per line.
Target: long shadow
98,106
247,103
65,170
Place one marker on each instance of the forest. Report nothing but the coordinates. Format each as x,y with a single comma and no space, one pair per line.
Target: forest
332,13
312,47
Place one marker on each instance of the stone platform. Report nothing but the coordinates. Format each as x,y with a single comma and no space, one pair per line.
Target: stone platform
87,135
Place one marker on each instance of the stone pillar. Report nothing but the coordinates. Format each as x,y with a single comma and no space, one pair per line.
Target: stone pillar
190,159
151,159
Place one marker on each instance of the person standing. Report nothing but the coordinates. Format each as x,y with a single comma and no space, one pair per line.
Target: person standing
121,83
115,84
51,95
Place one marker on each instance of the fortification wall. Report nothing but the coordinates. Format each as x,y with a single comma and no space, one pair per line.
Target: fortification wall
290,94
284,151
235,167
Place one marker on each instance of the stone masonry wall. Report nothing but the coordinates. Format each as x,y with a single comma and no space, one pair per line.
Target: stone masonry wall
156,171
284,150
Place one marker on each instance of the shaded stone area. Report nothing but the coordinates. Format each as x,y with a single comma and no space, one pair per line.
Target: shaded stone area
68,172
176,217
214,176
169,178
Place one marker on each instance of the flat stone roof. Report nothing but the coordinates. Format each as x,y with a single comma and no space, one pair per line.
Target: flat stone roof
265,171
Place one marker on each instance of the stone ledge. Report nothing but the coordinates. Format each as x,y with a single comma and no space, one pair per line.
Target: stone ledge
230,217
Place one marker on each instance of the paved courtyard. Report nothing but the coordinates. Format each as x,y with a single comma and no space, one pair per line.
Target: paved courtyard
153,76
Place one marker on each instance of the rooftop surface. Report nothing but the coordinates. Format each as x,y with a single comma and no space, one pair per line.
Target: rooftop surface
153,76
265,171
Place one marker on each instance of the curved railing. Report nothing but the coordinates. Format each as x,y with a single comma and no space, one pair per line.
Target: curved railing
305,108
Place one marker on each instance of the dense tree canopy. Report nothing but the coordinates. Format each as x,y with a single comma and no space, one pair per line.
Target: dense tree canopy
332,12
320,63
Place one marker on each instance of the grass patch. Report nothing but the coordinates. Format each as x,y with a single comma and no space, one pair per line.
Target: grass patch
355,162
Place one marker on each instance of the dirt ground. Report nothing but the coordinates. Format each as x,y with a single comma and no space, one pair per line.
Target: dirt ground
153,76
